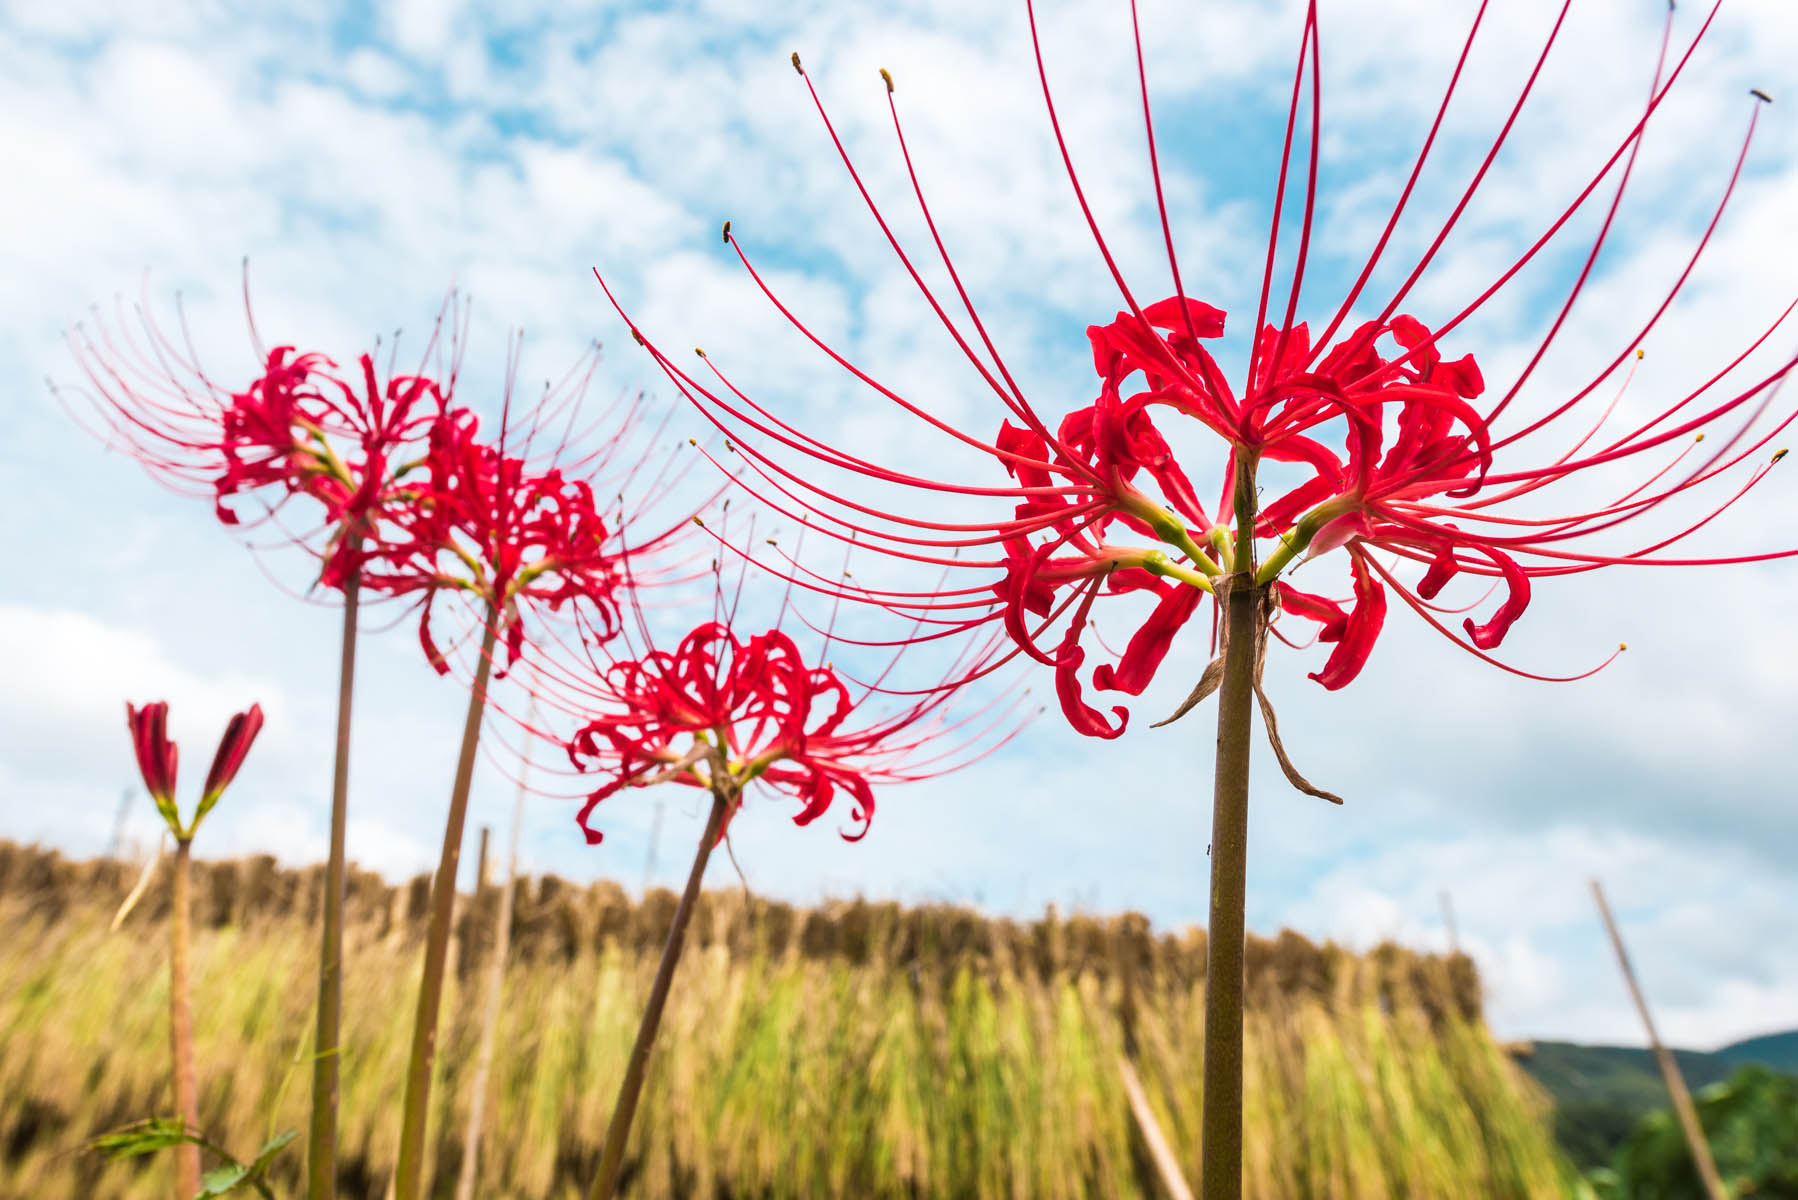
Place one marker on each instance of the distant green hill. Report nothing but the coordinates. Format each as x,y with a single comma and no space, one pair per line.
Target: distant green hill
1776,1050
1600,1092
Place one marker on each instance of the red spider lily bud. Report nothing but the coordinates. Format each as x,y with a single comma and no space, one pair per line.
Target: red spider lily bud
234,747
157,757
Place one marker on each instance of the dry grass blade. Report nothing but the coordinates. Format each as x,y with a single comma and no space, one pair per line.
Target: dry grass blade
142,885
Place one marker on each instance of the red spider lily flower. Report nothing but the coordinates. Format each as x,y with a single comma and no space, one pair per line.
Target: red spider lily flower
514,523
721,711
778,720
157,758
1410,461
302,428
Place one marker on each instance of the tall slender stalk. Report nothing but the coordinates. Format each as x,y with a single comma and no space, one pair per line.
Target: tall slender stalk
496,978
1676,1082
1220,1168
321,1143
410,1171
181,1024
618,1132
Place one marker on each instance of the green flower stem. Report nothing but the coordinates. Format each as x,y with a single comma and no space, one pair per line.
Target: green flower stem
321,1143
1221,1123
618,1132
1172,530
410,1171
496,981
1157,563
1296,540
181,1024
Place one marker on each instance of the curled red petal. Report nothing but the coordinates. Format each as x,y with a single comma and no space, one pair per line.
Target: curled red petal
1355,640
1150,643
1207,320
1321,609
1517,598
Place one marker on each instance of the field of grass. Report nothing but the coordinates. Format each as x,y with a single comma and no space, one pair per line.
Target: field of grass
856,1050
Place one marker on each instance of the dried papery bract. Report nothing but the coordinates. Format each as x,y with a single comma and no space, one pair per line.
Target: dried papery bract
728,715
1423,473
337,442
157,759
512,528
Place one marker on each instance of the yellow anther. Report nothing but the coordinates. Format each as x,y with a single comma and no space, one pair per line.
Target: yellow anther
692,441
727,233
1622,646
699,350
697,521
638,336
888,77
796,65
1780,454
1700,437
1760,95
1638,354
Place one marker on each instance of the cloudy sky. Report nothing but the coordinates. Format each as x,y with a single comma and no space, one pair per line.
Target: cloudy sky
367,157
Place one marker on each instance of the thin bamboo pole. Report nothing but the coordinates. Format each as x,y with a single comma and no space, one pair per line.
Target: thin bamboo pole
1167,1165
1676,1082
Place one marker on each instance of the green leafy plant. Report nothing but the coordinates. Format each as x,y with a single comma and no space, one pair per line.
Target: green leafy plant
1751,1122
164,1133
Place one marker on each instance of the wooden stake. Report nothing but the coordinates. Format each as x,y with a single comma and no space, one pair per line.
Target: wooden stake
1676,1083
1165,1163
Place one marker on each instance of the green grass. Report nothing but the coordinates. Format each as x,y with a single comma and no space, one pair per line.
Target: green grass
862,1051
